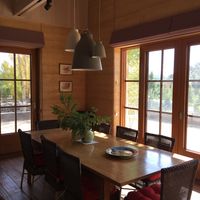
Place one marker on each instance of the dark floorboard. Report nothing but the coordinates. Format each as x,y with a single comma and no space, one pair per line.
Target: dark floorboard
10,177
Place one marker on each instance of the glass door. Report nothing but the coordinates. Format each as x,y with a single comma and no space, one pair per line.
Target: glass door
160,76
193,100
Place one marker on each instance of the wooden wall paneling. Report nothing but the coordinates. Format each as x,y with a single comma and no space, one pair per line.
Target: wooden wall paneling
99,85
9,143
53,54
19,24
129,13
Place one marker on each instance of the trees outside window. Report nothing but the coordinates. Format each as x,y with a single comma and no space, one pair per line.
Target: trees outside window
15,92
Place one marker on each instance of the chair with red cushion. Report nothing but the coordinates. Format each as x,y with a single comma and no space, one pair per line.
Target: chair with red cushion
77,187
127,133
33,161
160,142
53,174
176,184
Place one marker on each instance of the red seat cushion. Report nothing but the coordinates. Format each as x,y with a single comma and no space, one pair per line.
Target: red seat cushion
39,159
89,189
147,193
152,178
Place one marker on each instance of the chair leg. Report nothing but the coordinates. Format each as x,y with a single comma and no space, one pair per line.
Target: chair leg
22,177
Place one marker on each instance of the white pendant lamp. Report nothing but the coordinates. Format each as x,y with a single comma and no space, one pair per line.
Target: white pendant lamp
83,60
99,50
73,36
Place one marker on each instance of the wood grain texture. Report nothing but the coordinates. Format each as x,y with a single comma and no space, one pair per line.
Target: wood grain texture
148,160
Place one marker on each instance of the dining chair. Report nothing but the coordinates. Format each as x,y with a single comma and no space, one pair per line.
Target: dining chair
160,142
103,127
53,174
47,124
33,161
176,184
77,187
127,133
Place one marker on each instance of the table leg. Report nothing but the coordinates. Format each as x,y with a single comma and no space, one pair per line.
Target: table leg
108,187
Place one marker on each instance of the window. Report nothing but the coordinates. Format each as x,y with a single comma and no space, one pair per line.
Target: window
15,92
131,88
169,89
193,106
160,91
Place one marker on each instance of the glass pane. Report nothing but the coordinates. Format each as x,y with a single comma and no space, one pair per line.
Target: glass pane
23,66
194,73
23,93
7,120
152,122
167,94
168,64
131,118
153,102
24,118
132,94
132,63
166,125
194,98
154,65
7,93
193,134
6,66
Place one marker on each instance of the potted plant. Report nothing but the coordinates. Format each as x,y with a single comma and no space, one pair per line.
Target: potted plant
80,123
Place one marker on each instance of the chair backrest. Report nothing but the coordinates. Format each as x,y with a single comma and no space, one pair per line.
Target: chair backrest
177,181
50,155
103,127
47,124
127,133
26,146
159,141
71,169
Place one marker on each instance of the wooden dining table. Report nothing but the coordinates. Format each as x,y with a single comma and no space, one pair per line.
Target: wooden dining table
112,170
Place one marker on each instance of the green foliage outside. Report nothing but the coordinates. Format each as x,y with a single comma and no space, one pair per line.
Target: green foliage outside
7,71
132,73
132,88
194,90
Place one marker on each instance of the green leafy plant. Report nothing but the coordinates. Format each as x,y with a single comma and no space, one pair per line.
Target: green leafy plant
78,122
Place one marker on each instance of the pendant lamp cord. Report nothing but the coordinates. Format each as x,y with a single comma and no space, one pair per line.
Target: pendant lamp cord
99,19
74,13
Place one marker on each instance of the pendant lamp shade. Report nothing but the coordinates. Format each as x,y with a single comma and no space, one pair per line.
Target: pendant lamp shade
99,50
73,36
72,40
83,60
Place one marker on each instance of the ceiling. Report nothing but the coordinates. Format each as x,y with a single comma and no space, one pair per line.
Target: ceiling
60,14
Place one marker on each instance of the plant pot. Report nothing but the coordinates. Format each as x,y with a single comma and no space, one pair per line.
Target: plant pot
88,136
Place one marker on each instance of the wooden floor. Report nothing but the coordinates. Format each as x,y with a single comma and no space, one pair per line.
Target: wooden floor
10,177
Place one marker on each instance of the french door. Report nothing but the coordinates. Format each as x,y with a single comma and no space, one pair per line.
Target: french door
172,82
164,98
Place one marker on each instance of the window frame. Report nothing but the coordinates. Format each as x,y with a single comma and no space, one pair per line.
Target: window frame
33,80
124,80
179,109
